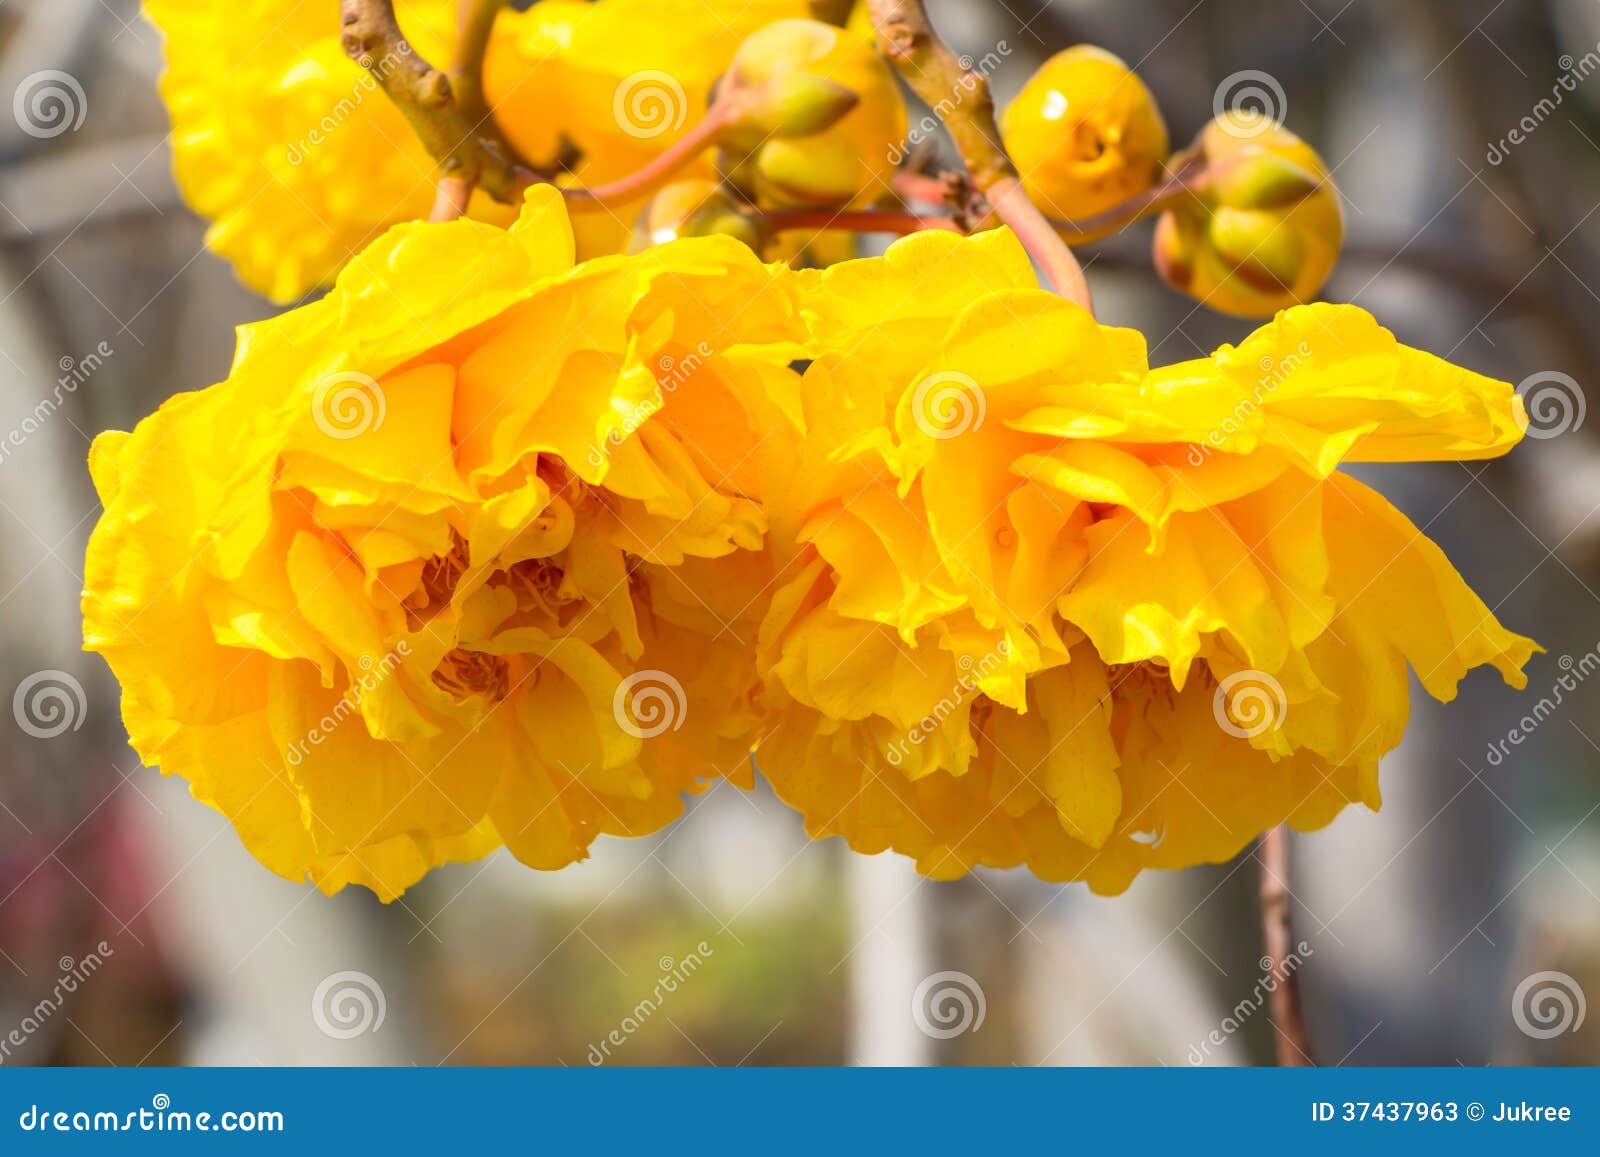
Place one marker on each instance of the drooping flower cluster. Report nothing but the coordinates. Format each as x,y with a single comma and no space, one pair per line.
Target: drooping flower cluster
548,514
489,546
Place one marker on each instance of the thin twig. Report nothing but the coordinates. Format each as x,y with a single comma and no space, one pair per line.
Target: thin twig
1188,177
474,25
1292,1045
451,120
961,98
659,169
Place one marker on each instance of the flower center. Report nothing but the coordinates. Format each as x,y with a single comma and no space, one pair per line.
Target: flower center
438,583
463,673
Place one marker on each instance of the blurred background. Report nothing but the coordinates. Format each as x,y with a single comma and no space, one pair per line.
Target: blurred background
1460,925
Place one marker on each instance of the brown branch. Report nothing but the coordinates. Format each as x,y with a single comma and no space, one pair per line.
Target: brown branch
1292,1044
961,99
449,116
474,24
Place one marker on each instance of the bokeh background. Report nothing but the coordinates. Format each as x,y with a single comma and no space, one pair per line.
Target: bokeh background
1426,927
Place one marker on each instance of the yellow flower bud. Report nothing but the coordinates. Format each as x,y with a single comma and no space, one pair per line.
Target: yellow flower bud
824,121
694,207
1085,133
783,82
1264,233
797,105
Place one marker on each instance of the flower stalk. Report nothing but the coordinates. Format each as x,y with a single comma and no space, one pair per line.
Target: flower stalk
661,168
1292,1045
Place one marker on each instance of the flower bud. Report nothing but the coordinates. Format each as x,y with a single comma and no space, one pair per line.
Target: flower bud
1264,232
818,117
1085,133
691,208
781,83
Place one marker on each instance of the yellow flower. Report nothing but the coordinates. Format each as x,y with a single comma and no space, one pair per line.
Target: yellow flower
292,152
1043,605
298,159
1265,233
442,564
1085,133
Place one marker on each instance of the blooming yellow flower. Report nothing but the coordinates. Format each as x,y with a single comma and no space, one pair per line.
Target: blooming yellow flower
298,159
443,564
292,152
1044,605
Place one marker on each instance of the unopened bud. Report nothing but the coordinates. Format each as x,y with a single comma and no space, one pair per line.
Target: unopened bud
816,116
1085,133
691,208
797,105
1264,232
783,82
807,174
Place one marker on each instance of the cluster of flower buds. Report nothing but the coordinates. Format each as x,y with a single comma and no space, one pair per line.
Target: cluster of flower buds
1251,224
812,118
